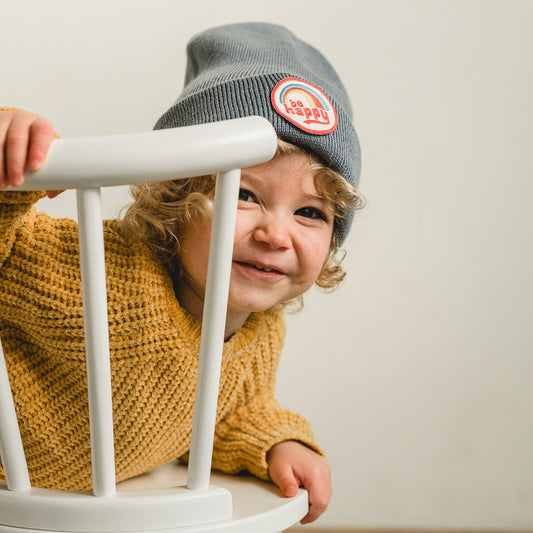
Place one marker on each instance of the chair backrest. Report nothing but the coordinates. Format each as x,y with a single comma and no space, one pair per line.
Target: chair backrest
87,164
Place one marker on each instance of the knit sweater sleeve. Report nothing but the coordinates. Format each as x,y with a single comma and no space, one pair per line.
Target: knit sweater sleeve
244,438
14,206
245,435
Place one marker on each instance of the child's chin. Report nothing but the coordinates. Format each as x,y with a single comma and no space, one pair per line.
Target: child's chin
250,306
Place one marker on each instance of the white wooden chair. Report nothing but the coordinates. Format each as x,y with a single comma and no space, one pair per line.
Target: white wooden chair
171,498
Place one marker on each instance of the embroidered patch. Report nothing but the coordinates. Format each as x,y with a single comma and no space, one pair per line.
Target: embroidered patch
305,105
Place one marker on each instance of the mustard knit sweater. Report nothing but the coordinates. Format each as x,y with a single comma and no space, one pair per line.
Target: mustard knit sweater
154,346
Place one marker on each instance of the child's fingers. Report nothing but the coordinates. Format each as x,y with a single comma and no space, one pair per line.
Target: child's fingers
318,486
292,465
25,139
319,489
41,136
283,476
3,174
15,152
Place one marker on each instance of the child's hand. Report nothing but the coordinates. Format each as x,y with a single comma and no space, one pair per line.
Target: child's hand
24,142
292,465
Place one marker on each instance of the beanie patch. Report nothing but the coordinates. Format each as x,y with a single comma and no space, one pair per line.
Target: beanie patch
305,105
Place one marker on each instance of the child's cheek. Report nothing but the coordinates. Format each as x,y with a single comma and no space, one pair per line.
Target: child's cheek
317,254
243,225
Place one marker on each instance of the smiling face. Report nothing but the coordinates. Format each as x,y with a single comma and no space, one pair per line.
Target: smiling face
282,238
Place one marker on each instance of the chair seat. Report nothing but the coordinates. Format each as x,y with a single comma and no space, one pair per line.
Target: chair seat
257,505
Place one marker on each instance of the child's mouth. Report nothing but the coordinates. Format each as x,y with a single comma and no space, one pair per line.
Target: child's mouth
264,269
259,268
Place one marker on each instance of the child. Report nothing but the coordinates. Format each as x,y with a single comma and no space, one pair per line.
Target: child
294,212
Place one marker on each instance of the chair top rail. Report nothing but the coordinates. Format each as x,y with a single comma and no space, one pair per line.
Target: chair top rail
157,155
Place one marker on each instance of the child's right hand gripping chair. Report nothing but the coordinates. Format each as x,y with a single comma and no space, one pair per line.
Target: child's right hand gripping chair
171,498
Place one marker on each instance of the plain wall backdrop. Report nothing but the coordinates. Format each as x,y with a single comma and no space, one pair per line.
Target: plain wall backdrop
417,375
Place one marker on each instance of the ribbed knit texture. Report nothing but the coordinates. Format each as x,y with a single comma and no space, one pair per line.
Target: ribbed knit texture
154,347
231,72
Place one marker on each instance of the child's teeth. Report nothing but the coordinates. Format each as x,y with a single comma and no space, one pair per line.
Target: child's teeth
264,269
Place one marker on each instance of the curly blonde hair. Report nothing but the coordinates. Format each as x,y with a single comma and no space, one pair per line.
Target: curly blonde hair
162,211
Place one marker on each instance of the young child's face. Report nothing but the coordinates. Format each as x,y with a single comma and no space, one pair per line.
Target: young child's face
282,238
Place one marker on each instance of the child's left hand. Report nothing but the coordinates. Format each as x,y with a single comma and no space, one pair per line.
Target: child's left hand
292,465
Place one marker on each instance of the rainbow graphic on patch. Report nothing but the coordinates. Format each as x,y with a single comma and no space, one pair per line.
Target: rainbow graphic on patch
305,105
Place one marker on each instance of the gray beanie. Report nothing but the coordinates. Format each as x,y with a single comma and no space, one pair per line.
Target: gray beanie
263,69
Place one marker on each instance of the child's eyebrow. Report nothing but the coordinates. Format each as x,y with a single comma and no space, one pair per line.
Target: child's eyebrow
257,182
250,177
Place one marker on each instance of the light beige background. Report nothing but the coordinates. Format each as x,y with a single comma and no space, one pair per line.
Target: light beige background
417,375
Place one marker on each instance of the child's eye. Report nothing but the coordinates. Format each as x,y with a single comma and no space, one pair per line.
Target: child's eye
246,196
311,212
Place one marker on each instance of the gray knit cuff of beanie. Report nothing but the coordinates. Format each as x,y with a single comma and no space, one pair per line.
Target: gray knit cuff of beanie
263,69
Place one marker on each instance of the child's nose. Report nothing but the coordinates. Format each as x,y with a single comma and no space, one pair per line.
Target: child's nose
274,232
